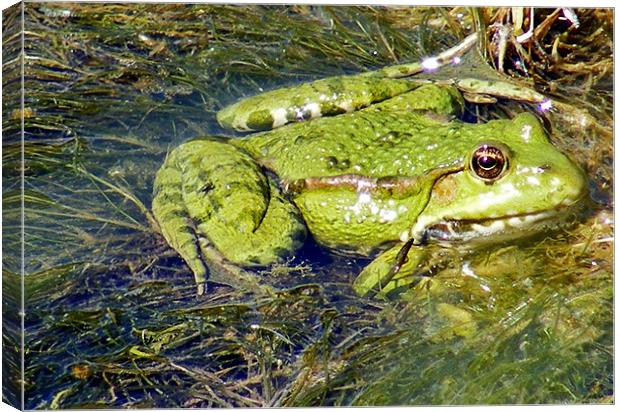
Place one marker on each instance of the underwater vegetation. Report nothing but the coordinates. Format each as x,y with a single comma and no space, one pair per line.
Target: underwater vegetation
110,311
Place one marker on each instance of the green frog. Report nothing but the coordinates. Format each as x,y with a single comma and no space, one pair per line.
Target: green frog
368,165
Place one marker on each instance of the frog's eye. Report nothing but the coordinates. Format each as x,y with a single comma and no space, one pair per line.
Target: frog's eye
489,162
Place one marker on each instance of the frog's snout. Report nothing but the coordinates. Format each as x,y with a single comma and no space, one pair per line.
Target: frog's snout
567,183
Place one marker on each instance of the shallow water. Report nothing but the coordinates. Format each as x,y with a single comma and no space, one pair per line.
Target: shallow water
111,316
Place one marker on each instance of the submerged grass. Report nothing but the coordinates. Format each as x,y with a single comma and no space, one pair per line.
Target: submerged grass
112,319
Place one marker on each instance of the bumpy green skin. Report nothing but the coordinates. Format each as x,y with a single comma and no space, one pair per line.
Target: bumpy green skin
208,188
381,141
397,168
332,96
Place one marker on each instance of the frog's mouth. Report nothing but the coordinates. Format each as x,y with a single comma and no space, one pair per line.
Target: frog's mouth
503,228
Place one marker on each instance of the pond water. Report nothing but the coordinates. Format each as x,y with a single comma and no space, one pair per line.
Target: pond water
111,314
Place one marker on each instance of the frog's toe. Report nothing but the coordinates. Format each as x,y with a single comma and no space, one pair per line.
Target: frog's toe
370,280
391,272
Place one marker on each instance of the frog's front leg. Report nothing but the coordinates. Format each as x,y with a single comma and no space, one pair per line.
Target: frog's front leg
210,189
392,270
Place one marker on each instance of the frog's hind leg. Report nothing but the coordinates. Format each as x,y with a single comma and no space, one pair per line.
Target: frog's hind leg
229,201
173,218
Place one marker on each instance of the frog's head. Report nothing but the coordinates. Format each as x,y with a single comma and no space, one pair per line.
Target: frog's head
513,182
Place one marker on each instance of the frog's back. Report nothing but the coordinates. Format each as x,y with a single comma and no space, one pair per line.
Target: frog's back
369,143
395,137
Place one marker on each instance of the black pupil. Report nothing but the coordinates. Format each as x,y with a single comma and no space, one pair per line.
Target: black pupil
487,162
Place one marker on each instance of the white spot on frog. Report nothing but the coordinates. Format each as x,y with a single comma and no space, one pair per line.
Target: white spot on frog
363,186
404,236
388,215
314,109
363,199
526,132
509,192
347,218
522,169
515,222
533,181
279,117
493,228
347,106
